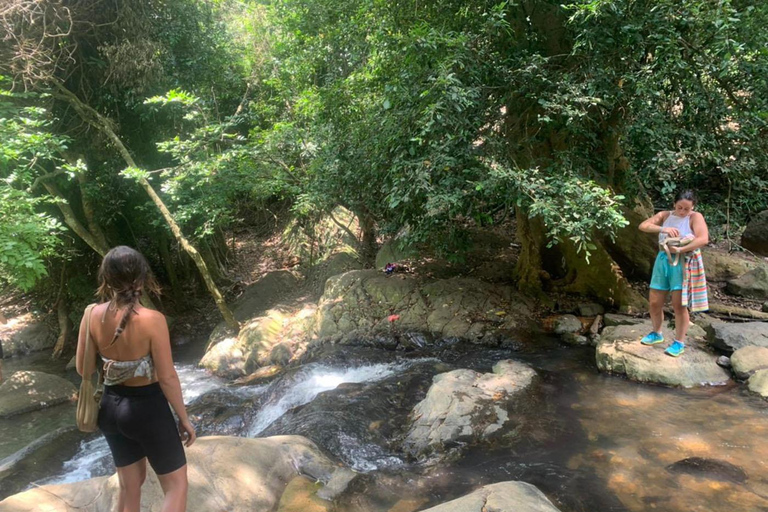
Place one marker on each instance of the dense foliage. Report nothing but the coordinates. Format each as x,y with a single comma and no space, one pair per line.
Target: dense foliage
423,118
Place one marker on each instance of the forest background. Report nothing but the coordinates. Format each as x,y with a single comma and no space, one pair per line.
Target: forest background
172,126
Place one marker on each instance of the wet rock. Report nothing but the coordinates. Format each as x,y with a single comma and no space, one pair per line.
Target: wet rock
755,236
300,495
24,334
225,359
249,474
575,339
620,351
30,391
591,309
567,324
709,468
464,406
753,284
263,374
758,383
724,362
731,336
500,497
748,360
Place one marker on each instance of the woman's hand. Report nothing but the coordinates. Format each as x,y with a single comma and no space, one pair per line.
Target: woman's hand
674,232
187,433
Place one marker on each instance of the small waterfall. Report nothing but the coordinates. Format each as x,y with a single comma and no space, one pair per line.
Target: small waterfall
313,380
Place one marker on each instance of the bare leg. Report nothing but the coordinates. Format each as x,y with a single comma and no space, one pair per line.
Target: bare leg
175,487
131,478
682,318
656,298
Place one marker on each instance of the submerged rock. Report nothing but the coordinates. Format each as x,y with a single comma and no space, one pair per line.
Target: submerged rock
500,497
464,406
225,473
619,351
709,468
30,391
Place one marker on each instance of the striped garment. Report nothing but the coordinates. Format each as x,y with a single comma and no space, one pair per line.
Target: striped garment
695,283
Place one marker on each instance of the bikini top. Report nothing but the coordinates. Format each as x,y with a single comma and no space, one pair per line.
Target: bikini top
117,372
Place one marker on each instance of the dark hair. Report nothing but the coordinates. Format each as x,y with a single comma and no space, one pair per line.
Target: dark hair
123,276
686,195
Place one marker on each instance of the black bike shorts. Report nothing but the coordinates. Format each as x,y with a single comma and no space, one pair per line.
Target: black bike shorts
138,423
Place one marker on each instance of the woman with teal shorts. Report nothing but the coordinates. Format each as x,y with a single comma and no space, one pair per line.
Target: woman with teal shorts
686,279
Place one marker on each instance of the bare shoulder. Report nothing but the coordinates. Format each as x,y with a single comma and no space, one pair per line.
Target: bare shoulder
697,217
149,317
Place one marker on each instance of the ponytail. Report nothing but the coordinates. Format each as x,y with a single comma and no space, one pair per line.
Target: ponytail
131,309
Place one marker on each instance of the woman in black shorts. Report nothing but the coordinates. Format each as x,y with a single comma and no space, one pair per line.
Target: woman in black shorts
139,383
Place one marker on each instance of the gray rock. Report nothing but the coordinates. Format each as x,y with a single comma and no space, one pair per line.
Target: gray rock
25,334
30,391
612,319
755,236
620,351
753,284
712,469
758,383
281,354
765,307
567,324
500,497
591,309
464,406
748,360
724,362
731,336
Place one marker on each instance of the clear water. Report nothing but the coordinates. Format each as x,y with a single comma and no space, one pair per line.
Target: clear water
590,442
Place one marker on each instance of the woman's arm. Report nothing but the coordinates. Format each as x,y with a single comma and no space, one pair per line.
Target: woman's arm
700,231
84,367
160,347
653,225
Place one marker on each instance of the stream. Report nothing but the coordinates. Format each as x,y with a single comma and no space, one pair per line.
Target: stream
590,442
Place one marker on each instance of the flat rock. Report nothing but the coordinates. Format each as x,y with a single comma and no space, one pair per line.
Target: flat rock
748,360
733,336
24,334
225,473
464,406
501,497
758,383
619,351
565,324
613,319
30,391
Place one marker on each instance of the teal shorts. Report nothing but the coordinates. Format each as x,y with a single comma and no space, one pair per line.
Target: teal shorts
666,277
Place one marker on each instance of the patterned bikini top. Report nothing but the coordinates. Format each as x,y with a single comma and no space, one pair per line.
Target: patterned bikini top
117,372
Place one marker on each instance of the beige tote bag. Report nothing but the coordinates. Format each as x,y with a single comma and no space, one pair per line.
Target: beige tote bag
88,399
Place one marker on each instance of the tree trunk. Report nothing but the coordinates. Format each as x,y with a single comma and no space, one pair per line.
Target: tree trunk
95,242
95,119
170,270
65,324
368,245
90,218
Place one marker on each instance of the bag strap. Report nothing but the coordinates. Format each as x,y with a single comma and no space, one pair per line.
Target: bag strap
89,342
672,261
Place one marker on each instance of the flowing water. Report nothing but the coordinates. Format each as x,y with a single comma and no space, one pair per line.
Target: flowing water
590,442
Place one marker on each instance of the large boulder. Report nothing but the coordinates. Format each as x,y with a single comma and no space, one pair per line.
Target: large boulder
753,284
758,383
30,391
748,360
256,345
225,473
619,351
24,334
500,497
367,301
755,237
264,294
722,266
729,337
464,406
